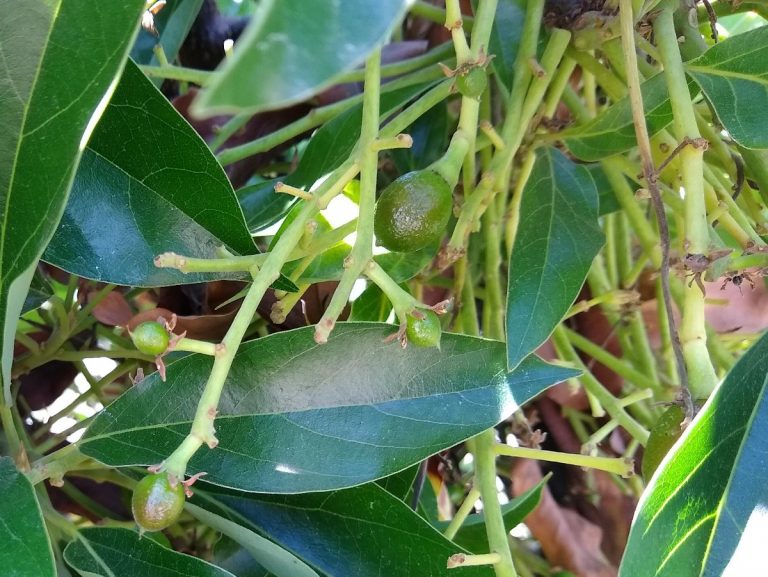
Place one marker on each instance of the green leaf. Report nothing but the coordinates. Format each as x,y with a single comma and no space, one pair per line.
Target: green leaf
557,237
261,205
270,556
371,305
112,552
364,531
292,49
147,184
733,74
26,548
40,291
612,131
505,38
296,416
703,513
50,88
472,535
608,201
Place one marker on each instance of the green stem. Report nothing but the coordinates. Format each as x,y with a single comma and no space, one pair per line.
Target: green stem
592,386
56,464
170,72
693,336
462,514
11,434
617,365
436,14
362,252
202,430
315,118
617,466
482,447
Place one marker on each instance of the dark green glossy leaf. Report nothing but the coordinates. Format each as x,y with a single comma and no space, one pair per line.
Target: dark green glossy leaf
270,556
294,48
147,184
613,131
296,416
703,513
229,555
401,483
26,549
403,266
372,305
364,531
172,23
608,201
262,206
557,238
112,551
430,137
505,38
56,67
734,76
472,535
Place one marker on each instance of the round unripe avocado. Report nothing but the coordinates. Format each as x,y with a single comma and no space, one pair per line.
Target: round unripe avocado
424,332
663,435
151,338
473,83
413,211
155,504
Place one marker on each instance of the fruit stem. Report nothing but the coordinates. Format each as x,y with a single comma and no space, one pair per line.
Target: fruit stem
362,252
402,301
616,465
196,346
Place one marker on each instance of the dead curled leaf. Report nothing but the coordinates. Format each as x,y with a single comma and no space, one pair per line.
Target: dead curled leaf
567,539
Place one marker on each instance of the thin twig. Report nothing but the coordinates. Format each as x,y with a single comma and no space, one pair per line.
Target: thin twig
651,175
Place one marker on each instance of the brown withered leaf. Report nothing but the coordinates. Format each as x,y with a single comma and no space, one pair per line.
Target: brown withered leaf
567,539
113,311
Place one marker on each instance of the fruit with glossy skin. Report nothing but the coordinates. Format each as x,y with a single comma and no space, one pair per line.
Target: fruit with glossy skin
663,435
151,338
155,503
473,83
424,332
413,211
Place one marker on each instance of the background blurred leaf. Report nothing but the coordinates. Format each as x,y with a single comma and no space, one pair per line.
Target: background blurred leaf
558,235
44,114
292,49
26,548
296,416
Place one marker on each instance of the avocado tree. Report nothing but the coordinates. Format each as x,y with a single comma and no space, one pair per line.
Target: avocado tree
363,288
